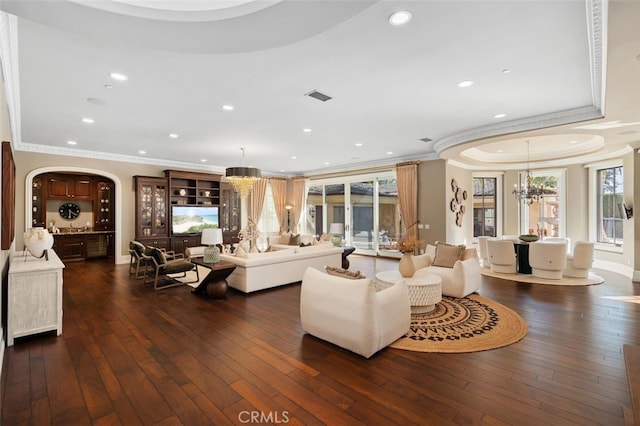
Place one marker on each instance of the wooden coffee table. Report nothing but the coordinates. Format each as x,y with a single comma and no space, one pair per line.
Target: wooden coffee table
215,283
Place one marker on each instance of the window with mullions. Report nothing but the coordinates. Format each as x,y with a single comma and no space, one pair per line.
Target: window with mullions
610,200
484,206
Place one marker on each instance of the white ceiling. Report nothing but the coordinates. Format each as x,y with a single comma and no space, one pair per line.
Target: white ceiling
391,86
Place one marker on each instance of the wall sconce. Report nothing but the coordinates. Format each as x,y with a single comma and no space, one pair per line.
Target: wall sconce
288,207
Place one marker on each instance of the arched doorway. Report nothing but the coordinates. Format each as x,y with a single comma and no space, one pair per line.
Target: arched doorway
117,199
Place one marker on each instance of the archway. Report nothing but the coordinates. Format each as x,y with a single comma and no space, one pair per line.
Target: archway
118,257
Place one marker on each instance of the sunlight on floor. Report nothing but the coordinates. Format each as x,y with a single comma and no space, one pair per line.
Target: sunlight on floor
630,299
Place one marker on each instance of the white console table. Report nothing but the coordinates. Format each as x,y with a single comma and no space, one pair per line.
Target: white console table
34,295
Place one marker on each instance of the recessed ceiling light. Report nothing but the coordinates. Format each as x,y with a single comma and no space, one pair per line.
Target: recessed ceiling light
228,107
281,170
389,152
358,144
173,135
500,150
142,152
400,17
326,163
500,116
204,160
70,142
293,157
573,142
465,83
307,130
118,76
88,120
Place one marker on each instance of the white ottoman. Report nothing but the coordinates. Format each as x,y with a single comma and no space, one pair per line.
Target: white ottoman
425,290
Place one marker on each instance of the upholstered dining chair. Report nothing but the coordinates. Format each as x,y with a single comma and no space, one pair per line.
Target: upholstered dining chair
548,260
580,260
502,256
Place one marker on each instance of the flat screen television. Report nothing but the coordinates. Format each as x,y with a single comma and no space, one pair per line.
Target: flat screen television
187,220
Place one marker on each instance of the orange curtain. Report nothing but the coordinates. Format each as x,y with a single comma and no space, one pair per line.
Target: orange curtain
298,198
279,191
407,181
257,200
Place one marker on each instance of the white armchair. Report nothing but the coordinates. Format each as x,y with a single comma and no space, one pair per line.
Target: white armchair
579,262
351,314
502,256
548,260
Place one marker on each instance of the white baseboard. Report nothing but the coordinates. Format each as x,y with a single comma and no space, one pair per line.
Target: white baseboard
617,268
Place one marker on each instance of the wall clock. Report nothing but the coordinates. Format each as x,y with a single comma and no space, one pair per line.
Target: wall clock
69,210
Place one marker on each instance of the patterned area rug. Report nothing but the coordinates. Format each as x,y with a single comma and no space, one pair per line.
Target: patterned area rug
470,324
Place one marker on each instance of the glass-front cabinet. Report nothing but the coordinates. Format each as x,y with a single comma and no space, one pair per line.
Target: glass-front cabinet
151,211
230,212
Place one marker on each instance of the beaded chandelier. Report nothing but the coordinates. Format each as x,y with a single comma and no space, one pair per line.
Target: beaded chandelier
242,178
528,193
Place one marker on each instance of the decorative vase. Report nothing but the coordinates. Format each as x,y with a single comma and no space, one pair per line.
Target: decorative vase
37,241
406,266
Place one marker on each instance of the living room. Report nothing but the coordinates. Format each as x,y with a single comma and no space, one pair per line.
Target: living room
439,164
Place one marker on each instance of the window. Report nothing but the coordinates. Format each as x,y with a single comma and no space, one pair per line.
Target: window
610,199
484,206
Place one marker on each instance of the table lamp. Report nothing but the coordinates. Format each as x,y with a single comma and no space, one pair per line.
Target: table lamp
211,237
336,229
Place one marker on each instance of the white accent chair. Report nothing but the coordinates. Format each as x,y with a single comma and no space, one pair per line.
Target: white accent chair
351,314
548,259
579,262
514,238
502,256
483,250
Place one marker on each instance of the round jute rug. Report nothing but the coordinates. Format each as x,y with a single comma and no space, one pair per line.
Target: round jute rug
469,324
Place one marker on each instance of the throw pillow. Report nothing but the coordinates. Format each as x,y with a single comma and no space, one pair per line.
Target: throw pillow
339,272
294,240
305,245
284,239
447,255
241,252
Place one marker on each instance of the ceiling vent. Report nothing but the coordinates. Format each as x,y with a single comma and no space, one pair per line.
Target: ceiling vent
426,139
319,96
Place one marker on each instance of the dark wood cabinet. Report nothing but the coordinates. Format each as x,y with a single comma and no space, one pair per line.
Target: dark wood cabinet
83,246
103,210
70,187
196,189
69,247
158,242
180,244
151,208
229,212
38,203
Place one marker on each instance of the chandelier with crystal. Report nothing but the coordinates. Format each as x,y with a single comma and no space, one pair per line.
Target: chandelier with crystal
242,178
528,192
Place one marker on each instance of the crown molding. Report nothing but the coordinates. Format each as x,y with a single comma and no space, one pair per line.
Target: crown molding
516,126
9,61
597,12
51,150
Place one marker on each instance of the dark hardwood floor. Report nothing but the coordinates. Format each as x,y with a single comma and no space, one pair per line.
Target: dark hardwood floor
131,355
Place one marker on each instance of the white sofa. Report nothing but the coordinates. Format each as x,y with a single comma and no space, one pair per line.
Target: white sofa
458,281
259,271
351,314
